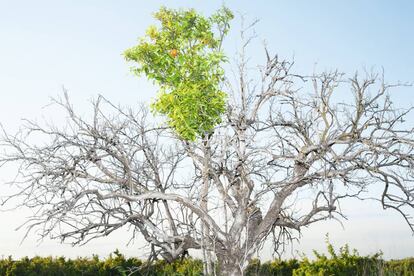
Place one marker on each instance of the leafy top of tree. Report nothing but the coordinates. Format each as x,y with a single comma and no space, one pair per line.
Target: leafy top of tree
183,56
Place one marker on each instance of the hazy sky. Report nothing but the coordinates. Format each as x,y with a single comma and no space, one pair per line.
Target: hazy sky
45,45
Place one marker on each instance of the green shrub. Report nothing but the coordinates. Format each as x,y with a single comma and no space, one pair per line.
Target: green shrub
344,262
276,267
404,267
188,267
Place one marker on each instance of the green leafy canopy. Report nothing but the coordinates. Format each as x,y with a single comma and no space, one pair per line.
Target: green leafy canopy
183,56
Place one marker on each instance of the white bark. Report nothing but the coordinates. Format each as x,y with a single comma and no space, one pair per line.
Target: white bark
276,141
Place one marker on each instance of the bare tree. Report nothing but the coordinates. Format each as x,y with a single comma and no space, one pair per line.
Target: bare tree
226,194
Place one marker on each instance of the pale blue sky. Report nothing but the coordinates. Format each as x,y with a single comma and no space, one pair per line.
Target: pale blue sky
78,44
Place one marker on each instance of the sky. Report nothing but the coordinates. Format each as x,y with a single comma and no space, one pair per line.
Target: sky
47,45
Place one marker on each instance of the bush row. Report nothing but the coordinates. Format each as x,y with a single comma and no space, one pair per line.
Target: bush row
343,263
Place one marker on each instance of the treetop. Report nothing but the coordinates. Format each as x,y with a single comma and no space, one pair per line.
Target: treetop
183,57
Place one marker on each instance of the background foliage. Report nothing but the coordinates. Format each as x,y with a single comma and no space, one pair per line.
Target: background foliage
343,263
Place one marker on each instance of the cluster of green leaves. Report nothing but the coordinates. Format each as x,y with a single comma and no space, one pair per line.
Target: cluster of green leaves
183,56
188,267
400,267
342,264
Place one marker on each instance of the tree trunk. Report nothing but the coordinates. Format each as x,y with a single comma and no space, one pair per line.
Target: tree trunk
229,269
205,231
229,265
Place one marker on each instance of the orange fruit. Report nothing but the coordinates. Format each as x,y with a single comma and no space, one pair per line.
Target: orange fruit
173,53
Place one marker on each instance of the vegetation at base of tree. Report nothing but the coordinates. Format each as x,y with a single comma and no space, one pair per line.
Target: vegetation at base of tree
342,263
